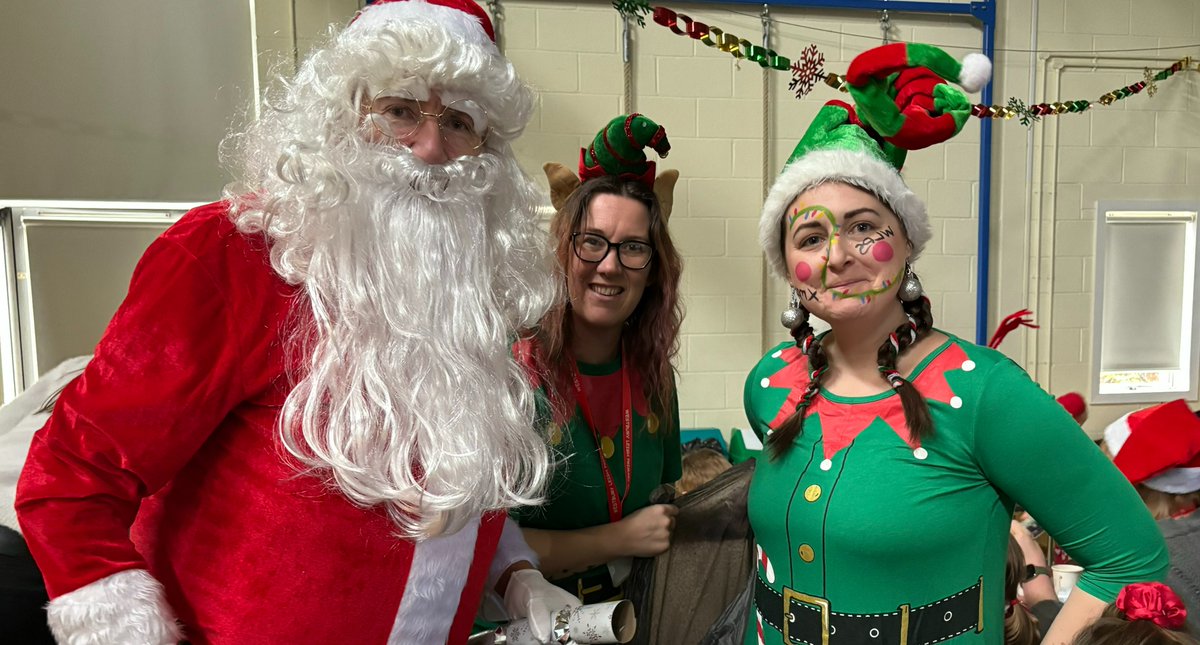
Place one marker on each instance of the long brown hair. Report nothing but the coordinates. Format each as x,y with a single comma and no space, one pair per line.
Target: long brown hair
916,411
1165,505
651,335
1019,626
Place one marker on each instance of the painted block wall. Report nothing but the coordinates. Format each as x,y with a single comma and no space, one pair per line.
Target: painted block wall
1047,179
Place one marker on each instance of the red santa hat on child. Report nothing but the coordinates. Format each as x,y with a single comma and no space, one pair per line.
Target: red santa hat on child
1158,447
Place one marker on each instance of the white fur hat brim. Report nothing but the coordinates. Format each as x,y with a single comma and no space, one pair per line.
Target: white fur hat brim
838,165
461,24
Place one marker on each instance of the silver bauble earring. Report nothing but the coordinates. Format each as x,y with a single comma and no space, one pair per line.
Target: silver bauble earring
794,315
910,286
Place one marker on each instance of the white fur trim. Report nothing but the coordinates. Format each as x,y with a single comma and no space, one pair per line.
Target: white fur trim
854,168
1116,433
128,607
459,23
435,583
1177,481
975,72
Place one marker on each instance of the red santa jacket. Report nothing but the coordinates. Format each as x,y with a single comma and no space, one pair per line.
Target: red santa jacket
164,456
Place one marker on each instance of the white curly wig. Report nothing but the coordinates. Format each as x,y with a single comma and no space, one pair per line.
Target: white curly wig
417,275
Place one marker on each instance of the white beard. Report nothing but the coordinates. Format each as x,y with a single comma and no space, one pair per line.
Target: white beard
417,280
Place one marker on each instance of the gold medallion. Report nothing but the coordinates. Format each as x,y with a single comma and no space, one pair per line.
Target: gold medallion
806,553
812,493
652,423
607,447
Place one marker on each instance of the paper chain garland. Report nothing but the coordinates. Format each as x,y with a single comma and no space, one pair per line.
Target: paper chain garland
811,66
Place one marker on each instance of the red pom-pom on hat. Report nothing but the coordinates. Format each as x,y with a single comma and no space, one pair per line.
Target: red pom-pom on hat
1152,601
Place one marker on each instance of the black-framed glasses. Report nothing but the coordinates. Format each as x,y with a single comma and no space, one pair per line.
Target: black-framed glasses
463,124
592,247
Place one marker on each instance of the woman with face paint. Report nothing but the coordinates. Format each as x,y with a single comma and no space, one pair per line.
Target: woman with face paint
604,360
881,509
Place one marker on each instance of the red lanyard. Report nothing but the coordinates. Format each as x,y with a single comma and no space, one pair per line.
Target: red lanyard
615,504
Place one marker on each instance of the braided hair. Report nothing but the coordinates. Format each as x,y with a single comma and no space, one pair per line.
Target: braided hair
916,411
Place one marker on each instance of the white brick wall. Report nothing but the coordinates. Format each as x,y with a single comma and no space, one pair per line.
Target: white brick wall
712,107
1139,148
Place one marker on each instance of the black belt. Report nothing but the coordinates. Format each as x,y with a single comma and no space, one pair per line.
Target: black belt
810,620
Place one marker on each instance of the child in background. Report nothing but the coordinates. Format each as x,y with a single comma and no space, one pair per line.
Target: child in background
699,467
1020,628
1147,613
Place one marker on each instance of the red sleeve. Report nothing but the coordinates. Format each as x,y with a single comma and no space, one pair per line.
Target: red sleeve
165,374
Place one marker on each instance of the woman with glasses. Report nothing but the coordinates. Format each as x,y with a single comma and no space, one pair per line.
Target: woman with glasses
604,359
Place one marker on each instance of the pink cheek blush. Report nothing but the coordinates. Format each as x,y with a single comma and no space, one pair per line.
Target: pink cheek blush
882,252
803,271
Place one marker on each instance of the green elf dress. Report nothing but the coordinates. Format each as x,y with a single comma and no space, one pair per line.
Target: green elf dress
865,535
577,496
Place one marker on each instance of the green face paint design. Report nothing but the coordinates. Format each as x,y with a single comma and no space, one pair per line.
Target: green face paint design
869,295
809,213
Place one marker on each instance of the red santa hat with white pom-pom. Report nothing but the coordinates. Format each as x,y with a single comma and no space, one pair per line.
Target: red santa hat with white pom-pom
1158,447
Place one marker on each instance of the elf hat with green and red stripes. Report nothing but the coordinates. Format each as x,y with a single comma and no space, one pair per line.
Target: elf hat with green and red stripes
619,150
903,102
904,91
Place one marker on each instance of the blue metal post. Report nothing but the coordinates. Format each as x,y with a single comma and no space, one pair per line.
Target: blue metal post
988,18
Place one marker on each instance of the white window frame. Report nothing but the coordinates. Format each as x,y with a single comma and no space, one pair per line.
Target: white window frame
1157,385
18,344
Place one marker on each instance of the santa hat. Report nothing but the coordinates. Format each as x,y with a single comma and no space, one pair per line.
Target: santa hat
444,44
898,108
619,151
1158,447
464,19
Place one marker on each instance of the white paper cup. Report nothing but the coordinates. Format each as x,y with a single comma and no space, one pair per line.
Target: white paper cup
1065,576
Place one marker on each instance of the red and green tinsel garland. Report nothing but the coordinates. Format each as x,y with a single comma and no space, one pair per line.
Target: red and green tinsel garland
810,66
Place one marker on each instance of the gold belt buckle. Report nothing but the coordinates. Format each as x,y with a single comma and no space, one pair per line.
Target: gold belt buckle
791,594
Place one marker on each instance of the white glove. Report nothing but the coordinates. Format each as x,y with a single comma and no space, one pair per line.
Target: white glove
531,596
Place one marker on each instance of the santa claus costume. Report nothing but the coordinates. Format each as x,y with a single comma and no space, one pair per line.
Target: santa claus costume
277,440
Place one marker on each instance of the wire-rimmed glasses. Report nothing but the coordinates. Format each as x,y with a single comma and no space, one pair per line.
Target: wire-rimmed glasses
593,248
463,123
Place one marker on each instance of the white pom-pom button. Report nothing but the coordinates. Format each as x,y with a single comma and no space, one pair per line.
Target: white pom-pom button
920,453
968,366
956,402
777,353
826,464
766,382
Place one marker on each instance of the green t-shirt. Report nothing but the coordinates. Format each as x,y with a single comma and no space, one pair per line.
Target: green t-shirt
860,516
576,495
